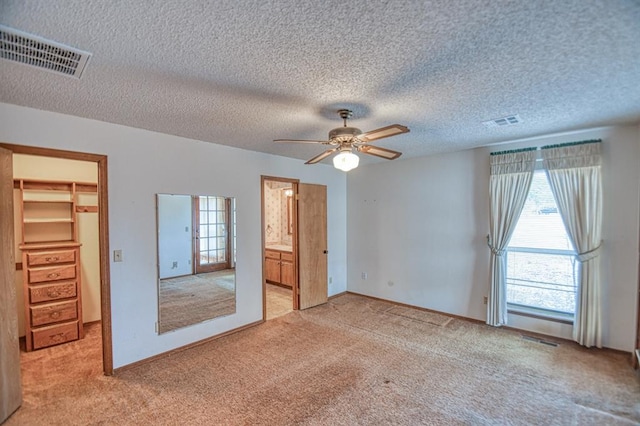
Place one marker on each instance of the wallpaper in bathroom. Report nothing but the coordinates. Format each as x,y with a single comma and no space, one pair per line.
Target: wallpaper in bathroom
275,205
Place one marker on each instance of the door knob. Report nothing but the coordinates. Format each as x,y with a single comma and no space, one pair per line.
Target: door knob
326,251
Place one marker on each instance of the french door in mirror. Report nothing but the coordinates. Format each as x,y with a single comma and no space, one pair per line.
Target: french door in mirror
212,217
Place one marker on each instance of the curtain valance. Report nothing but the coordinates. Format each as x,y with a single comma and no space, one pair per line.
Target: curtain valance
572,155
518,161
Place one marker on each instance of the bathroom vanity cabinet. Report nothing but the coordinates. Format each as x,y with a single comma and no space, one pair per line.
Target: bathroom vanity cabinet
279,267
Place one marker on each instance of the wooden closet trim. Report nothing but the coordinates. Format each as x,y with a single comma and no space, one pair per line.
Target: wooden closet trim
103,229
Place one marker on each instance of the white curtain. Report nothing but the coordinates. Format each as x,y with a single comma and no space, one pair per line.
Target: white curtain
575,177
511,175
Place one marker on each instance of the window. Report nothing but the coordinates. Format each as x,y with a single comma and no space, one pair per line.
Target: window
541,265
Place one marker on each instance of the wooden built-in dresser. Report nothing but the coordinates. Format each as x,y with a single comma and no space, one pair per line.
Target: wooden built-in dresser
52,293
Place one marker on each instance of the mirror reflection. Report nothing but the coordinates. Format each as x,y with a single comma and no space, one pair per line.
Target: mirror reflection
196,259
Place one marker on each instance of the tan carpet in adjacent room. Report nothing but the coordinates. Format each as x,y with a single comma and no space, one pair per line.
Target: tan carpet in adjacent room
352,361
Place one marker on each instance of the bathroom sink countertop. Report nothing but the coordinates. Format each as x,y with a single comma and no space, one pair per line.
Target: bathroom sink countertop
280,247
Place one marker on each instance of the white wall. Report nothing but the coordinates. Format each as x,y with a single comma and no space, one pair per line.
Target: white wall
143,163
418,227
174,235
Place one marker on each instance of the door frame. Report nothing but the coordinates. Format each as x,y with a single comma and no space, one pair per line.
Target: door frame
103,237
294,240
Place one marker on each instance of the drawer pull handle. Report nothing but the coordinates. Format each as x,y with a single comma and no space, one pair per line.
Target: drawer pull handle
57,337
53,275
55,314
52,259
53,293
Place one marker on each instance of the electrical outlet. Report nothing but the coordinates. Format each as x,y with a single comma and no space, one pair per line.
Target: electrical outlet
330,280
175,265
364,276
485,299
117,255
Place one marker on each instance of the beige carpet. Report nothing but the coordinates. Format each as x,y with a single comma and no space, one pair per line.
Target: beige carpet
352,361
196,298
279,301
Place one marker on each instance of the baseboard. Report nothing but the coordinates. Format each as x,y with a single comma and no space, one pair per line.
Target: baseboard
183,348
337,295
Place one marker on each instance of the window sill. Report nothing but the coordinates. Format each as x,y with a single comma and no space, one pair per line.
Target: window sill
542,314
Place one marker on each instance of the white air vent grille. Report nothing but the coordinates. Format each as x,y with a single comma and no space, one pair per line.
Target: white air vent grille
509,120
41,53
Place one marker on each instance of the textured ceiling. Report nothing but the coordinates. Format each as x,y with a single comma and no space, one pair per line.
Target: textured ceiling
244,72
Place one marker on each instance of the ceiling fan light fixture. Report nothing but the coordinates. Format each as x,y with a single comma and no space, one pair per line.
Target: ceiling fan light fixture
345,161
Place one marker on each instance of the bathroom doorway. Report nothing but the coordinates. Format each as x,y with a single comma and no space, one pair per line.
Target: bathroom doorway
294,242
279,236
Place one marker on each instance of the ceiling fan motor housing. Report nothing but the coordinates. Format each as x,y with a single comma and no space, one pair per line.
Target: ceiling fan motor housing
344,134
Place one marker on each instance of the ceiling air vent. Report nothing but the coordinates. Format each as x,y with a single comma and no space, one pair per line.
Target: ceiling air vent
509,120
41,53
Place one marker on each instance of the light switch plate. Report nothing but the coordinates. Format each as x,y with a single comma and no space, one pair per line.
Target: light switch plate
117,255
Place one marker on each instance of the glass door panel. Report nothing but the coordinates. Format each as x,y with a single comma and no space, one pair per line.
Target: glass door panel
212,222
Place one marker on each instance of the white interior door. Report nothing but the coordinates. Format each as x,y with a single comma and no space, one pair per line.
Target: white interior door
10,387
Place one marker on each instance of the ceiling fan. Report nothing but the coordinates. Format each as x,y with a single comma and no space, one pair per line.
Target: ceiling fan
345,140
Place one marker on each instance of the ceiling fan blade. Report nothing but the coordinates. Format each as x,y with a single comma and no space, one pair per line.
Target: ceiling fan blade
300,141
322,156
379,152
383,132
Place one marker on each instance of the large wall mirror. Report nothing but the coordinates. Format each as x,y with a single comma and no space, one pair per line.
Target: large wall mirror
196,259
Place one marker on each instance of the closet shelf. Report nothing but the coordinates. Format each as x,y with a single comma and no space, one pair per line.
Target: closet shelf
48,220
34,201
28,185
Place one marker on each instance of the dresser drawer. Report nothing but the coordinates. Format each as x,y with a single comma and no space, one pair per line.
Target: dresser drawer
54,312
54,335
49,292
52,273
51,257
272,254
287,256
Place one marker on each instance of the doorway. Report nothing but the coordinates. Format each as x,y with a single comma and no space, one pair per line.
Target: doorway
279,237
294,242
102,243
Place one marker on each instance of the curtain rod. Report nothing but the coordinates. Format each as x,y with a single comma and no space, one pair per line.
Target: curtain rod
560,145
513,151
